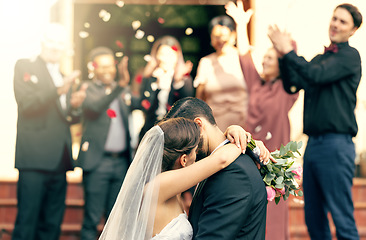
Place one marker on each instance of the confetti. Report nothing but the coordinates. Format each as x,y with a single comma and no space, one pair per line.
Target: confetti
111,113
136,24
119,54
87,25
189,31
85,146
145,104
147,58
26,77
150,38
161,20
83,34
104,15
138,78
175,48
120,3
139,34
268,136
34,79
119,44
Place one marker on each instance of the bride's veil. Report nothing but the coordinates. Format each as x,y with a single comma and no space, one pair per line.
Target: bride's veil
133,213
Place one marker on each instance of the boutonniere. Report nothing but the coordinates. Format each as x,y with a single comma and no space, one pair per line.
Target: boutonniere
27,77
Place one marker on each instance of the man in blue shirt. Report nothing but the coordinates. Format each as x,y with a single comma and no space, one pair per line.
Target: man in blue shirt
330,82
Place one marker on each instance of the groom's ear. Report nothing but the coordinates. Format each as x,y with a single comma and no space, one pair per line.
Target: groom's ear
199,121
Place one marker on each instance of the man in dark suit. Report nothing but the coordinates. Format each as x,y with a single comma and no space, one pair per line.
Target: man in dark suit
46,109
105,147
230,204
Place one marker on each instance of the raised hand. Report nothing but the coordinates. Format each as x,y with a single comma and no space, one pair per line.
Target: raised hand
238,13
78,97
123,71
68,81
242,18
281,40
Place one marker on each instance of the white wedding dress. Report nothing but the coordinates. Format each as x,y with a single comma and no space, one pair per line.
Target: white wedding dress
178,229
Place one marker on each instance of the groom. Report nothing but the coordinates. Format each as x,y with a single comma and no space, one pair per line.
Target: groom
232,203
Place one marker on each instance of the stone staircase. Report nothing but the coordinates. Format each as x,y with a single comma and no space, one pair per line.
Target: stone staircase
74,212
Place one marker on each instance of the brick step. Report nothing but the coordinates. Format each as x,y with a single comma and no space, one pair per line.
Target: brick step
74,212
68,231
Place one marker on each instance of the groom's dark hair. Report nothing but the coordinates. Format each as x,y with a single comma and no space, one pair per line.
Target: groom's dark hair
191,108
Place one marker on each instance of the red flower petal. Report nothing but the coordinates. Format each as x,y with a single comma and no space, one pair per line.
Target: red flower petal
119,44
175,48
161,20
95,65
168,107
111,113
138,78
26,77
146,104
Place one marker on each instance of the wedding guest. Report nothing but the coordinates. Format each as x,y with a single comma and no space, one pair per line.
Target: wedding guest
219,80
105,153
46,109
166,79
149,204
267,100
330,81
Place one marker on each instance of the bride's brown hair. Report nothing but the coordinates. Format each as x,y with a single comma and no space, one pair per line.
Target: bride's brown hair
181,135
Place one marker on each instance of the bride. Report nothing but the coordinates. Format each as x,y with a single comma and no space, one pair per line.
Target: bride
149,204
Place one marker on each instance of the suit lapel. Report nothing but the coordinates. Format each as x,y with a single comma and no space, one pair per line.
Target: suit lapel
195,199
50,84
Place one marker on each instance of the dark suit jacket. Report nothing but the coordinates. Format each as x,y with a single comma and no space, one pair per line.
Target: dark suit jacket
96,124
43,126
150,102
230,204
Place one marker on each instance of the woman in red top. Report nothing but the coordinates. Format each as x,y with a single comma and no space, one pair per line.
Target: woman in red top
268,110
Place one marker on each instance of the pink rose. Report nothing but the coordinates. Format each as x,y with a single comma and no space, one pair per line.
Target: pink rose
271,193
282,190
298,172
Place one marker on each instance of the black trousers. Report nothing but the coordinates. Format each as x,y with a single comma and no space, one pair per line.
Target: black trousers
41,205
101,187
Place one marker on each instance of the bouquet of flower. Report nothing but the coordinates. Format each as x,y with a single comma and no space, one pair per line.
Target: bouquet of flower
280,177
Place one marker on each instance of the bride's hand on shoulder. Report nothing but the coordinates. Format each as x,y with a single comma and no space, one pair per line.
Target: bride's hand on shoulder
238,136
265,155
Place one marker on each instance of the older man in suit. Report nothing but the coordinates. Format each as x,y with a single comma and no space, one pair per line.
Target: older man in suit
46,109
105,147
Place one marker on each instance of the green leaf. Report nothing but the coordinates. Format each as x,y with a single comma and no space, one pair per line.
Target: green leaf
279,185
300,193
282,150
299,145
277,199
268,178
279,180
285,197
293,146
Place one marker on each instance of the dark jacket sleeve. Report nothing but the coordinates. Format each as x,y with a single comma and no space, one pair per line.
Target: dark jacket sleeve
330,69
